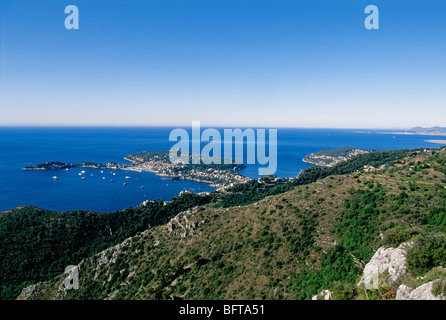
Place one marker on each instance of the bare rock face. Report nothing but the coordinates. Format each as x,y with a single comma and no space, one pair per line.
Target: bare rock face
388,266
389,261
423,292
403,292
182,225
324,295
27,292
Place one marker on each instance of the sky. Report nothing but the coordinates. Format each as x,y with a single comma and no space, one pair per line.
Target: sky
259,63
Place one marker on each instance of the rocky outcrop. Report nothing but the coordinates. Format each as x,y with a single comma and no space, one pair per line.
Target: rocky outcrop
324,295
423,292
386,266
182,225
28,292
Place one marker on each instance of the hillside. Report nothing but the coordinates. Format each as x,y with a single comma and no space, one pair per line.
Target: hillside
432,130
289,245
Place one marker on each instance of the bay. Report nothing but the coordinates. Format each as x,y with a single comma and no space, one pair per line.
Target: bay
25,146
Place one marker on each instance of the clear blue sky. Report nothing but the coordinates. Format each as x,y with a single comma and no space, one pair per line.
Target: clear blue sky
308,63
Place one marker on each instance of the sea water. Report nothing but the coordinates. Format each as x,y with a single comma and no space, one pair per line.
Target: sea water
26,146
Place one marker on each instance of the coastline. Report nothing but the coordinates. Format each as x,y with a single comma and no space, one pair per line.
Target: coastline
443,142
405,133
217,176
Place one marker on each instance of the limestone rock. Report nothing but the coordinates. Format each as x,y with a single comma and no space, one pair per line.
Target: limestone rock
324,295
27,292
385,260
182,225
423,292
403,292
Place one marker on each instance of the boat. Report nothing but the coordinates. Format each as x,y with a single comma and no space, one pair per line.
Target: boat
55,178
112,181
82,171
80,174
127,177
83,178
142,187
124,184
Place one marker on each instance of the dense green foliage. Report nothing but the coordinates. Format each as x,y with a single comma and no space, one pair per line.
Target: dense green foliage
369,212
38,244
429,252
254,191
357,228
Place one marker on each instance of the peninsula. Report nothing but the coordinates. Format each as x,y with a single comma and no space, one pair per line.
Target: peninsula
57,165
329,158
216,175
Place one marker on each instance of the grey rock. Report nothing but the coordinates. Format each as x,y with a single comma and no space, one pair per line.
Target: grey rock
325,294
423,292
392,260
403,292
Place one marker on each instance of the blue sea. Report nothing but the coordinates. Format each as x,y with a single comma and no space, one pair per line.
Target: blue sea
22,147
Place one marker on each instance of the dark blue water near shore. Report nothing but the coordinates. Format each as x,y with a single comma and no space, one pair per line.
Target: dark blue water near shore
22,147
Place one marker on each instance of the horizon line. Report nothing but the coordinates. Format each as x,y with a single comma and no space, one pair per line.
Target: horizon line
207,126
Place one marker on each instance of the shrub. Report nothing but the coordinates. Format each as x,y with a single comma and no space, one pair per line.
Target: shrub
394,237
343,291
429,252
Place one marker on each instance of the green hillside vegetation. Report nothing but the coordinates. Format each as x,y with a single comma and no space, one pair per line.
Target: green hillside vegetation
38,243
253,191
267,239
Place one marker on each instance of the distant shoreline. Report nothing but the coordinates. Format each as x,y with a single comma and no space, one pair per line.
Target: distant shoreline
405,133
443,142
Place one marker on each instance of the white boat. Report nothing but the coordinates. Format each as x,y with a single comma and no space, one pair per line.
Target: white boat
127,177
80,174
55,178
82,171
